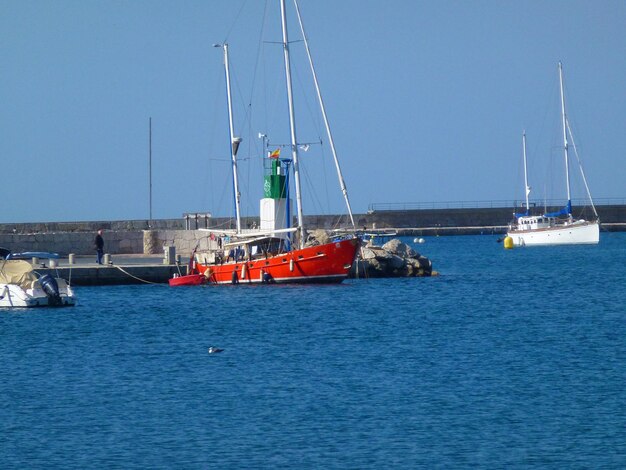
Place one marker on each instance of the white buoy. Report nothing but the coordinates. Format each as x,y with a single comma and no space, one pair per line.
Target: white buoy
418,240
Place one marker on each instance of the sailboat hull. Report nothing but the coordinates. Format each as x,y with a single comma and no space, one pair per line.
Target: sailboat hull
328,263
575,233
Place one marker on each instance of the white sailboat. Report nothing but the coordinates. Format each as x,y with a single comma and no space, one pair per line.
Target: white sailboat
555,228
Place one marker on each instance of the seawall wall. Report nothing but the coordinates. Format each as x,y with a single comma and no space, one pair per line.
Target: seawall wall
141,236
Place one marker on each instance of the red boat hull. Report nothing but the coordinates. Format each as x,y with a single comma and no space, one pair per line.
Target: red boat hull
328,263
189,280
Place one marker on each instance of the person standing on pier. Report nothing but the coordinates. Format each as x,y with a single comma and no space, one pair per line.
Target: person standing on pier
99,245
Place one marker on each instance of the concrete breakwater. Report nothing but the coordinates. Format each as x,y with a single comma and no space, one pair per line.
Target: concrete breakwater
143,237
121,271
116,242
155,242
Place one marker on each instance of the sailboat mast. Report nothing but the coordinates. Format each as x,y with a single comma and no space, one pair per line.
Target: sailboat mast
565,145
234,141
342,183
292,124
526,187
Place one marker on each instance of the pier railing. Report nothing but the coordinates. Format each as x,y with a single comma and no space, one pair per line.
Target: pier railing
492,204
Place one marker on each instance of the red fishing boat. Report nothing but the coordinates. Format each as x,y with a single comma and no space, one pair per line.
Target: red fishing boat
279,251
327,263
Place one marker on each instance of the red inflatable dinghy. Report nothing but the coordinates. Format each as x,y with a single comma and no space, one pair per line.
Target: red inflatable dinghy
188,280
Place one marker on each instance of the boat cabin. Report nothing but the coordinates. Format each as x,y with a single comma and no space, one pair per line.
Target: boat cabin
535,222
243,250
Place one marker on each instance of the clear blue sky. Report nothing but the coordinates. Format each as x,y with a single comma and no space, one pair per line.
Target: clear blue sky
427,101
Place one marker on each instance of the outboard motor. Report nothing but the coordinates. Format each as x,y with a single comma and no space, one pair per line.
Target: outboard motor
51,288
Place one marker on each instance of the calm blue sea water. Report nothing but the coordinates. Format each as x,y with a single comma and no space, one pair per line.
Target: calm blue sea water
509,359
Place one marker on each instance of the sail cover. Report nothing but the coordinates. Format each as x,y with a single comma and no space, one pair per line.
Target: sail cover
567,210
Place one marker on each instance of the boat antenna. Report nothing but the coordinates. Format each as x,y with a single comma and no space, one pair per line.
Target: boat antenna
565,145
234,141
342,183
526,188
292,124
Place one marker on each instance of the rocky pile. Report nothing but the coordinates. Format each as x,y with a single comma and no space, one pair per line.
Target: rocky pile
393,259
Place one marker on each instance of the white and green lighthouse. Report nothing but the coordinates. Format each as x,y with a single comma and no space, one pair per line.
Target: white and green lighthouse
274,207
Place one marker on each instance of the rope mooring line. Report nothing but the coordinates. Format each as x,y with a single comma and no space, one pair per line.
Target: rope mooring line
134,277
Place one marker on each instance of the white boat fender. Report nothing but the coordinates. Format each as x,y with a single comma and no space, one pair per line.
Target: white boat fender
243,271
291,265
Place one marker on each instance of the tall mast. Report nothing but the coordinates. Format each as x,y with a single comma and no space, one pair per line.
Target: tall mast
234,141
342,183
565,145
526,187
150,170
292,124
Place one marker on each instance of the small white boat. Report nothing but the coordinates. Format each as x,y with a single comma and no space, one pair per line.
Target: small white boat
21,286
560,227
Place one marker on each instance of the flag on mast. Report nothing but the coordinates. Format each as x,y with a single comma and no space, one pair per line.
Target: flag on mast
275,153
